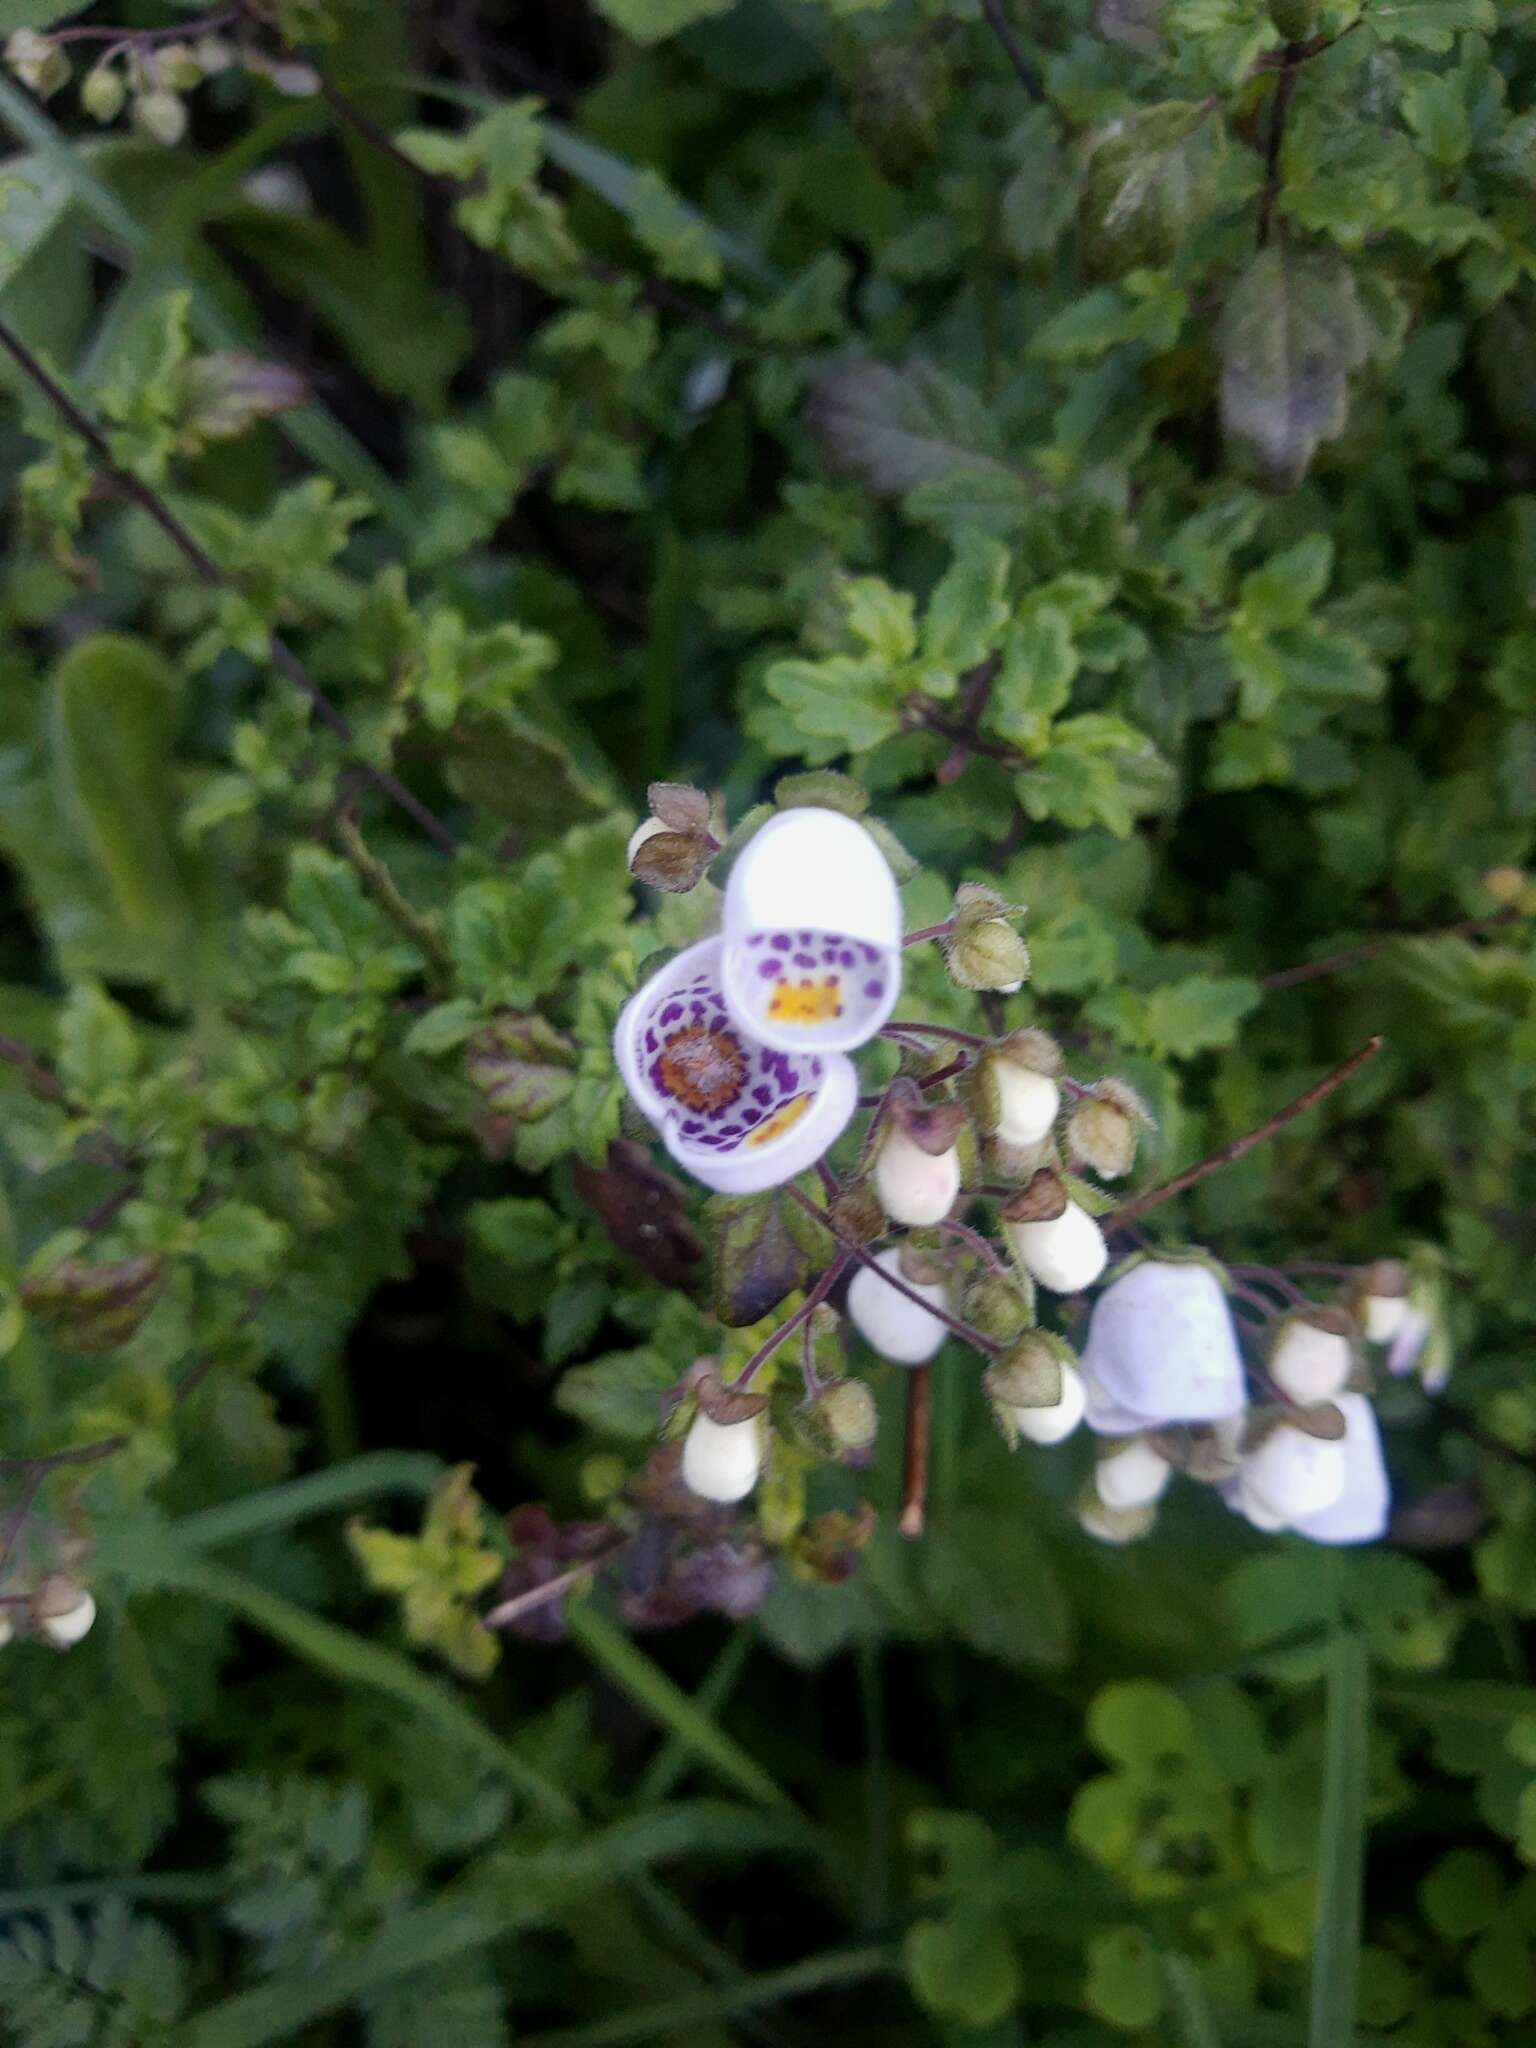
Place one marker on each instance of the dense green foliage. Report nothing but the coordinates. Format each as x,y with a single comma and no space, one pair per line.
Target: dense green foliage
1107,436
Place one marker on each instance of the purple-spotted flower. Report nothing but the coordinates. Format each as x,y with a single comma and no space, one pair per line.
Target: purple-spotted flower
1162,1348
812,934
737,1114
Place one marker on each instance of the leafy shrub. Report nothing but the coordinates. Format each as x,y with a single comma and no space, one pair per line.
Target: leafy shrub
1092,447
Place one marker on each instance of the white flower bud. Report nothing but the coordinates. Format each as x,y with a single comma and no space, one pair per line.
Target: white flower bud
1027,1103
1359,1515
72,1626
7,1628
1291,1474
1055,1424
1131,1478
1066,1253
915,1186
162,117
721,1460
1112,1525
890,1323
1384,1316
1310,1364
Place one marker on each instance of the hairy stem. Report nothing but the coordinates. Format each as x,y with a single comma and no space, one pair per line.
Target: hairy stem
1002,28
1235,1148
866,1257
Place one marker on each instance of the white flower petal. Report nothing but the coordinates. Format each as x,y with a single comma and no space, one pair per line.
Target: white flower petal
721,1460
1027,1102
1310,1364
812,934
1293,1474
1131,1478
1359,1515
1385,1315
1066,1254
736,1114
887,1321
914,1186
65,1630
1161,1346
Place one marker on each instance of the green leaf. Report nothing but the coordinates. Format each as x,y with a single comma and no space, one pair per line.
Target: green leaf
519,1229
844,704
963,1968
1431,24
1149,182
98,1047
1462,1894
1334,1991
652,21
1184,1018
115,707
620,1394
32,203
968,609
1124,1984
757,1257
893,429
672,232
1290,335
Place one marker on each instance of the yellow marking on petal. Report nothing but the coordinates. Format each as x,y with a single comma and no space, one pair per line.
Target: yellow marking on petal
807,1002
784,1118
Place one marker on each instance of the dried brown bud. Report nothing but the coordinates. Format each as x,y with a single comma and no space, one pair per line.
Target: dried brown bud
1041,1200
934,1128
1388,1278
723,1404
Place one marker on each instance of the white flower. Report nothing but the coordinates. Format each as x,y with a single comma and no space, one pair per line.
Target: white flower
736,1114
1053,1425
1162,1348
1027,1102
812,934
1384,1316
1066,1253
721,1460
1290,1475
70,1627
1359,1515
1310,1363
888,1321
915,1186
1132,1477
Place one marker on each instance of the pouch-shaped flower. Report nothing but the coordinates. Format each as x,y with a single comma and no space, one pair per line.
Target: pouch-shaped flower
812,934
735,1113
1161,1348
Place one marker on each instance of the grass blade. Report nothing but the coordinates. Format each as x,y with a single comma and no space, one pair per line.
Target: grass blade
1191,2008
1341,1847
668,1705
817,1973
317,1493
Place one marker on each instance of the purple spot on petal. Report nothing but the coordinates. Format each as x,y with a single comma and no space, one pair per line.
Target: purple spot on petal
805,959
769,970
671,1013
874,990
781,942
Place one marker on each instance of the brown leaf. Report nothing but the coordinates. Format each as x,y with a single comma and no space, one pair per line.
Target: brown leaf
643,1211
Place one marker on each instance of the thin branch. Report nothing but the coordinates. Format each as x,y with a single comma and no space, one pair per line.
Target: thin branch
283,659
552,1589
1002,28
914,1460
930,931
377,880
982,1246
903,1029
1352,956
1279,113
866,1257
1235,1149
813,1300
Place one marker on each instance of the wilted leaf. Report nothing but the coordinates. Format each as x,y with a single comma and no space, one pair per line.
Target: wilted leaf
757,1259
895,428
1148,183
1291,333
643,1211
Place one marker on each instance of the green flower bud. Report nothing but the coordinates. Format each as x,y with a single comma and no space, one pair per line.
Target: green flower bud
178,68
1105,1128
161,116
844,1418
984,951
38,62
103,93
